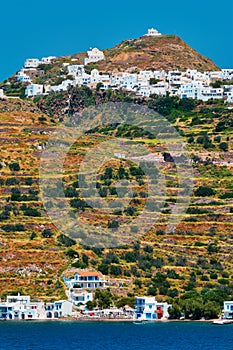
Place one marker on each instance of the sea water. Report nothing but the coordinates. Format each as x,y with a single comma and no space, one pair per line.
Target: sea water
51,335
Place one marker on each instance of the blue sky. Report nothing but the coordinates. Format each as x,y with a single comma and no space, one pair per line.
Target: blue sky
60,27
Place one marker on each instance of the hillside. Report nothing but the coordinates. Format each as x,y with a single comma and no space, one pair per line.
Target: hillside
166,52
196,256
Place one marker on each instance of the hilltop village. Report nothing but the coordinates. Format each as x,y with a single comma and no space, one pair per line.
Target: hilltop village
190,83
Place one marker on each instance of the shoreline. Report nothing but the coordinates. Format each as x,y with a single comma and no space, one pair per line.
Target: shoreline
90,319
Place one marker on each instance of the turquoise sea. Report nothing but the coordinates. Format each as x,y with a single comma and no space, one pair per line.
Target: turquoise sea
30,335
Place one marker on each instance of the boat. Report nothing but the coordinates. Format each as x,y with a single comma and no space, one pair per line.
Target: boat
223,321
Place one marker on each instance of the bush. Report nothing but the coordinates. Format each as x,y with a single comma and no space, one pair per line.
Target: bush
32,236
65,240
14,166
115,270
47,233
71,253
12,181
212,248
223,146
204,191
13,228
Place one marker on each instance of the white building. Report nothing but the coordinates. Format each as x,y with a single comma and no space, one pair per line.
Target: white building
86,280
174,77
215,75
147,308
153,32
63,86
1,93
94,55
47,60
23,77
199,91
227,74
79,296
228,93
75,69
21,308
34,90
61,308
31,63
228,309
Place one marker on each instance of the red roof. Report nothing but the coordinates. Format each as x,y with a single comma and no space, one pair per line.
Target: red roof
89,273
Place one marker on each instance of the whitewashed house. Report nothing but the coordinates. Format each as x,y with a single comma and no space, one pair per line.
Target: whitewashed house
95,76
160,88
31,63
160,74
61,308
63,86
207,92
94,55
227,74
147,308
22,76
174,77
129,81
79,296
215,75
86,280
228,310
34,90
152,32
21,308
228,93
1,93
75,69
47,60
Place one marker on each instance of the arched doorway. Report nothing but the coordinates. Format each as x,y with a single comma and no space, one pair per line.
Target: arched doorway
55,314
49,315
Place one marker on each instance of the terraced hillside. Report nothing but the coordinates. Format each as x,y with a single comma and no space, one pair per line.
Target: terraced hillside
197,256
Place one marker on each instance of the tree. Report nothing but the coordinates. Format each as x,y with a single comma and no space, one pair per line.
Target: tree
174,311
85,259
204,191
71,253
103,298
212,248
115,270
32,236
47,233
14,166
211,310
65,240
153,81
223,146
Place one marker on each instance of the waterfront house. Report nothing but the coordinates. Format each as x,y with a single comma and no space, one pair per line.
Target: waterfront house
61,308
228,310
85,279
147,308
21,308
79,296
